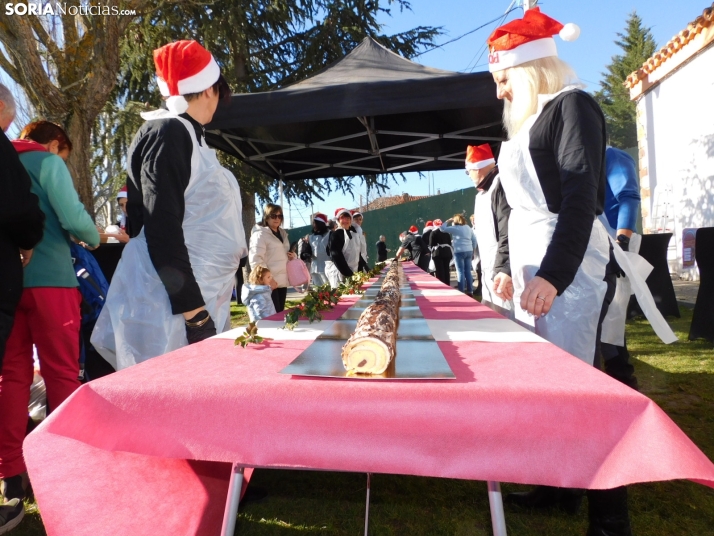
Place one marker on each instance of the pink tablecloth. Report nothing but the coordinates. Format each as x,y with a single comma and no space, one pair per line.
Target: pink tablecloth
147,451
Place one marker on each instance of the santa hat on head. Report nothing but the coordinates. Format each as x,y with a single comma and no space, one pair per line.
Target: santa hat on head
478,157
527,39
438,223
122,192
356,212
340,211
413,229
320,217
184,67
428,226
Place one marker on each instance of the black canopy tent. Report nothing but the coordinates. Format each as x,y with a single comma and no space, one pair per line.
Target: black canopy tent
371,112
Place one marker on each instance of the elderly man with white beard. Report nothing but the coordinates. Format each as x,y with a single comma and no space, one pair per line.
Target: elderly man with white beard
553,173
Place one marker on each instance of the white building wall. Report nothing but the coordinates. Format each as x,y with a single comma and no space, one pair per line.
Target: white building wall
677,116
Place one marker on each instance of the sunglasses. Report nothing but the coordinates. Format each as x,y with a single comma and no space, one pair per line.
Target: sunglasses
276,216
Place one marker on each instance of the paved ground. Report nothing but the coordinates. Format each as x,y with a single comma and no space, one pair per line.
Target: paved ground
686,292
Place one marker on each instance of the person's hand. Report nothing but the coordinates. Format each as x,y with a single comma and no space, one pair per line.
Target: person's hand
624,242
25,256
291,255
503,286
273,284
538,297
200,327
122,236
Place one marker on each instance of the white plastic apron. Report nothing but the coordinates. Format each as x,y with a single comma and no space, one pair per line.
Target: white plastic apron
636,271
136,322
571,323
351,252
485,230
362,241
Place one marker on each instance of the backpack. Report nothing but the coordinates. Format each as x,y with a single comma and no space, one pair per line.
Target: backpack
93,287
92,284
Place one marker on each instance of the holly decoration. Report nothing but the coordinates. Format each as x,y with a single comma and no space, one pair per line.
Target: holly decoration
324,298
250,335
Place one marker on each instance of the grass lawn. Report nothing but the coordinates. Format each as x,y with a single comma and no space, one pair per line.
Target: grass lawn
680,378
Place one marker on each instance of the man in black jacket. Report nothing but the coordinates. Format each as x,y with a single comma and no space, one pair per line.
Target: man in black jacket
382,249
21,222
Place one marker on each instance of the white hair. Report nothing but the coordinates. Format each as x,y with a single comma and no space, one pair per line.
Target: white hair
543,76
9,101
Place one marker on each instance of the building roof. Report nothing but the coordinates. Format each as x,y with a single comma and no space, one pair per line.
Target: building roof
697,36
389,201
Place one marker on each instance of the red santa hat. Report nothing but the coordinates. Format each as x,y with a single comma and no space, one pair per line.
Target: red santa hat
527,39
340,211
122,192
320,217
479,156
356,212
428,226
184,67
413,229
438,223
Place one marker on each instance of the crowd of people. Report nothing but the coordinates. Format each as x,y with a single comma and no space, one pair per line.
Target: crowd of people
539,231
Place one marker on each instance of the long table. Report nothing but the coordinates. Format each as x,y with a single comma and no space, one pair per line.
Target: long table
149,450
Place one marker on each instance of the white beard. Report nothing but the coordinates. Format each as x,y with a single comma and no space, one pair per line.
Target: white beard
517,111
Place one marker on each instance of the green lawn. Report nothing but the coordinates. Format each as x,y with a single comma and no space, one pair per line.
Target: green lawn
680,378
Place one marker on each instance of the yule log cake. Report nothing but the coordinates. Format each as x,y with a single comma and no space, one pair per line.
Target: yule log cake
371,347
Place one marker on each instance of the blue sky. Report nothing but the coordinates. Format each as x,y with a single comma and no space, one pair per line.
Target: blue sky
599,21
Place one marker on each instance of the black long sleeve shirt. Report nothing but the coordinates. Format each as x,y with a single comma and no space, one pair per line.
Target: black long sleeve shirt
334,245
567,145
501,212
21,220
159,172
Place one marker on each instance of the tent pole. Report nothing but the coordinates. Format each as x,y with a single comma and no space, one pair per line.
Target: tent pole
280,188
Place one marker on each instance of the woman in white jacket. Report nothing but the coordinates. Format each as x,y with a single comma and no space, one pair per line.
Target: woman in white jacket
269,247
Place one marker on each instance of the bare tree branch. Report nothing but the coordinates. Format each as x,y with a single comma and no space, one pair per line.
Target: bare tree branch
7,66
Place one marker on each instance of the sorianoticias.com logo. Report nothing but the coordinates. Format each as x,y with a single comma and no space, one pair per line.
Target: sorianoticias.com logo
63,8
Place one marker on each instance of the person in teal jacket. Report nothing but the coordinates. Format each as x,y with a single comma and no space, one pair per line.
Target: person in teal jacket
48,314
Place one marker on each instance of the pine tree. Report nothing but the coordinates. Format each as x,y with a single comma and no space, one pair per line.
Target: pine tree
262,45
638,45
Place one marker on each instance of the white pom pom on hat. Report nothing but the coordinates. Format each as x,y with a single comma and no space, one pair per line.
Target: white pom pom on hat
570,32
176,104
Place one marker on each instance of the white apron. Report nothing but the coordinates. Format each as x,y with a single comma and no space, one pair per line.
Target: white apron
485,230
136,322
362,241
318,244
571,323
351,251
636,271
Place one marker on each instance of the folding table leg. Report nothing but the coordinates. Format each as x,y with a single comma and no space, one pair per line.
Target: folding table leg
366,511
231,513
498,518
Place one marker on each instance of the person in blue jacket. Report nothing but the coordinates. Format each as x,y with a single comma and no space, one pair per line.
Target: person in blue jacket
464,241
256,294
622,201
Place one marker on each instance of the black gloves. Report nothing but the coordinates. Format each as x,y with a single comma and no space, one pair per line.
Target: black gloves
200,327
624,242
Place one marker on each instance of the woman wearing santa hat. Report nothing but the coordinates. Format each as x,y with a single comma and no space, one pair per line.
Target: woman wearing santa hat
553,173
318,242
491,212
174,282
344,248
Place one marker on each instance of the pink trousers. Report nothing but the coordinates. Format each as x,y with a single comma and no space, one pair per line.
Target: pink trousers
49,318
